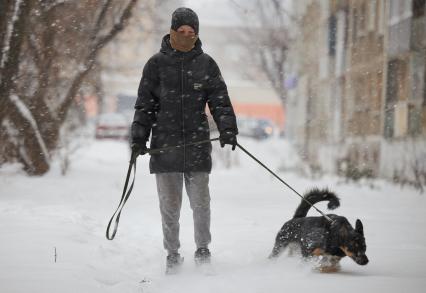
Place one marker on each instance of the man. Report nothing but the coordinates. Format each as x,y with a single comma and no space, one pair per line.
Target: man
176,85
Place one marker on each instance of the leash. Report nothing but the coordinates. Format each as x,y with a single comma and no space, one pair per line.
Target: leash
124,197
285,183
126,193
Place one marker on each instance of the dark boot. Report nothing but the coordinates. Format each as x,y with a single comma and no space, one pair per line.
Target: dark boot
202,256
174,261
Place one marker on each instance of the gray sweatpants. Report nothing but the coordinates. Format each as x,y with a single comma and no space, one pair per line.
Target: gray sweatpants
169,187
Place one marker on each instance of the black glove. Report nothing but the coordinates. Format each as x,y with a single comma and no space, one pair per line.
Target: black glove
139,149
228,138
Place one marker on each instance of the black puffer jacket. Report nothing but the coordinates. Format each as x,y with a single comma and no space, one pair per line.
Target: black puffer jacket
172,98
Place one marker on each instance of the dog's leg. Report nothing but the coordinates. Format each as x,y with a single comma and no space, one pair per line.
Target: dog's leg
294,249
278,248
276,251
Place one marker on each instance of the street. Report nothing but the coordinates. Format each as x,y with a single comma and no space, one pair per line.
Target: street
70,213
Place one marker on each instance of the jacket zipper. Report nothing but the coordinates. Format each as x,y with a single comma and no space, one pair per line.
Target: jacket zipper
183,116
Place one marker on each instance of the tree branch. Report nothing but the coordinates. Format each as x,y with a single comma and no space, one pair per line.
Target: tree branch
91,59
101,18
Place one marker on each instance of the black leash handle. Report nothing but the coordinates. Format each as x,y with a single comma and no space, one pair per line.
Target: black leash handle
285,183
124,198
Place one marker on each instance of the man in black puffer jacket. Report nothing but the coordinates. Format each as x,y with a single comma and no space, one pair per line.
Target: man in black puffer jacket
176,85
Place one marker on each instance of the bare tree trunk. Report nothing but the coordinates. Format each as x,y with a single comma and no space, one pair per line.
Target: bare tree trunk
31,152
10,63
5,9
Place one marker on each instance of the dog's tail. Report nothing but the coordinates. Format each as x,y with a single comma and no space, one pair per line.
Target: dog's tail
314,196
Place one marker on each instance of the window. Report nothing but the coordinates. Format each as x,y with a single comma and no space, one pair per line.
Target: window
332,32
414,120
418,8
417,77
354,24
372,5
380,16
392,83
397,88
341,31
389,123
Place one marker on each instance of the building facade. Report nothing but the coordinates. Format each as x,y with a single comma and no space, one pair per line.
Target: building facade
360,101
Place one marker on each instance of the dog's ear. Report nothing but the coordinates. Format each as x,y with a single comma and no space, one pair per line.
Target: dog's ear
358,227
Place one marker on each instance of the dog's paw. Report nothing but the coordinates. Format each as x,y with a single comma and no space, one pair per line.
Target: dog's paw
328,264
328,269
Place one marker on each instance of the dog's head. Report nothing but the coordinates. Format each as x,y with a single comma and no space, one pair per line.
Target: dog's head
353,243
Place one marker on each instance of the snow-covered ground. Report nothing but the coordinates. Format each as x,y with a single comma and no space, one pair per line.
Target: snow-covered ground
70,213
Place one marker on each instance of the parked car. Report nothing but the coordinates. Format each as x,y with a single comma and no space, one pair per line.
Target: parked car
113,126
257,128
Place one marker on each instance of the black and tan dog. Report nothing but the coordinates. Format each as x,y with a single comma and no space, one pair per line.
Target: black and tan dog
318,237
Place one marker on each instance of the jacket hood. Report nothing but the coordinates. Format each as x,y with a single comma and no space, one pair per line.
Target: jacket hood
166,48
